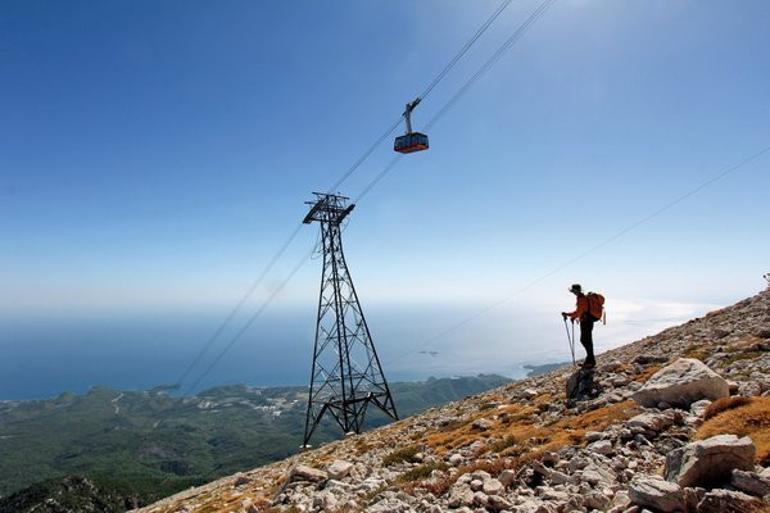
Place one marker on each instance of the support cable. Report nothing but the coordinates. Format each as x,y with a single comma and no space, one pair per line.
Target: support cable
250,321
464,49
230,316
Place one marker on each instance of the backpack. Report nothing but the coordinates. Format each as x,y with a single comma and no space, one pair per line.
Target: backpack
596,306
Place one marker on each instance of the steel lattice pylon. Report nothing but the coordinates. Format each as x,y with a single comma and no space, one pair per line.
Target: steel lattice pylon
346,376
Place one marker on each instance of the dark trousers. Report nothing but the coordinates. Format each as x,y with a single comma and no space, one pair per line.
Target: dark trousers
587,338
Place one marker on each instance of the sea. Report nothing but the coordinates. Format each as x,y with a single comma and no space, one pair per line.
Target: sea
45,354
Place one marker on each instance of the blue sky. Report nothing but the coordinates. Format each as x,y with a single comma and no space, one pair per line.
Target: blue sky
155,154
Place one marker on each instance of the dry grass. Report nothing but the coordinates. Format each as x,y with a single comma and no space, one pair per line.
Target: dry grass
421,472
502,444
362,446
697,351
518,436
400,455
643,376
600,418
724,404
519,428
742,355
751,419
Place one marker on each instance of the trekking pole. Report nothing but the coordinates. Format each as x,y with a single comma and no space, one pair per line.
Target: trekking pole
571,340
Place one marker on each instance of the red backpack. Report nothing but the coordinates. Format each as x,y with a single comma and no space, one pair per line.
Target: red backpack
596,306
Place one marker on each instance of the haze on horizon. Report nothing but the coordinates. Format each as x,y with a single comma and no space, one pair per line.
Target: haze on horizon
155,156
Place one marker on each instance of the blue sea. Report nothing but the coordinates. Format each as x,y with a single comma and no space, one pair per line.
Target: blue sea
45,354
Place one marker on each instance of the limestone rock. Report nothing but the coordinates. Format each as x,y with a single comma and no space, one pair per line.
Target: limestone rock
751,482
727,501
480,499
492,487
656,493
306,473
507,477
698,408
339,469
455,459
460,495
389,505
651,422
481,424
603,447
710,461
324,500
593,436
683,382
497,503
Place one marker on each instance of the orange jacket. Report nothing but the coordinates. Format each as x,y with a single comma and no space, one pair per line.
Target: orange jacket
581,308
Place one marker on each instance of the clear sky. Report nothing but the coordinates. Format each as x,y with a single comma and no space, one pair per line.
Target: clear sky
154,155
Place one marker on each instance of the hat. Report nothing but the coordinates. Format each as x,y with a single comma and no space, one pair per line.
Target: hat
576,288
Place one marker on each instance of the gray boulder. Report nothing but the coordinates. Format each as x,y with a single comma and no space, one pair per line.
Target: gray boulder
654,492
698,408
651,422
339,469
603,447
683,382
389,505
711,461
507,477
493,487
728,501
305,473
481,424
751,482
460,495
497,503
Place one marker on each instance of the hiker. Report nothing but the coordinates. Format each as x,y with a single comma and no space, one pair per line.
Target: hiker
587,313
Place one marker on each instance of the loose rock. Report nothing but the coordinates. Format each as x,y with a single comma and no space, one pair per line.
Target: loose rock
656,493
710,461
683,382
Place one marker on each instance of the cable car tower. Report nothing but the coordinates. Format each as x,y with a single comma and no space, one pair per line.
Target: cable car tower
346,375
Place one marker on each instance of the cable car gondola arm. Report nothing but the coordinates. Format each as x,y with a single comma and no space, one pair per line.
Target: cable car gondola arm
408,113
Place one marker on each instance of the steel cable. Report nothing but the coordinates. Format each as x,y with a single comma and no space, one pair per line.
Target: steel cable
356,164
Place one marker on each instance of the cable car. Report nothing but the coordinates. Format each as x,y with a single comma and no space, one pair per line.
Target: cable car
410,141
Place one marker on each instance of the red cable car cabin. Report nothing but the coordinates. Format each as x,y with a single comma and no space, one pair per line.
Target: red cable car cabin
410,143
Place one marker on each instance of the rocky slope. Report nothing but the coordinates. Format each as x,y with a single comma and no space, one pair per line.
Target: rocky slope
676,422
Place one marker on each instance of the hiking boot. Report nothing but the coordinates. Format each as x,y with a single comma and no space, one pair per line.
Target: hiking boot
588,364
